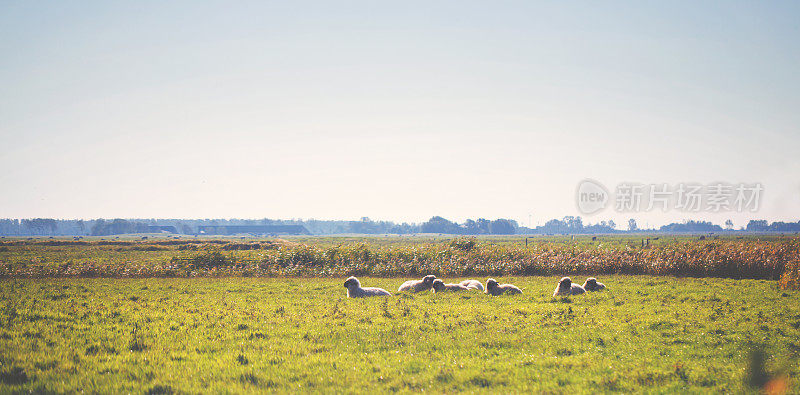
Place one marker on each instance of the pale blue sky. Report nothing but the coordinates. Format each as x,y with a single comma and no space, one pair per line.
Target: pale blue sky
393,111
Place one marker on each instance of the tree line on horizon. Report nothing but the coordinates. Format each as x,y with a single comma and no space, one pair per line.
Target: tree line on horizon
436,225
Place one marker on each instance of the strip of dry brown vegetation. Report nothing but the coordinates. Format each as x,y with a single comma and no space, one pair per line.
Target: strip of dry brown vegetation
732,258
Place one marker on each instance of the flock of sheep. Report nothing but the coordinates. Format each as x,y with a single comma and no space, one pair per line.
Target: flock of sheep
565,287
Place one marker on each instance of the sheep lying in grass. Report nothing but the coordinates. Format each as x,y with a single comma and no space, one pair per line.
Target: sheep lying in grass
494,289
591,284
565,287
417,285
354,289
473,284
440,286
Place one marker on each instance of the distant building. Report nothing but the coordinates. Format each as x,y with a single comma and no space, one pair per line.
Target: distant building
253,229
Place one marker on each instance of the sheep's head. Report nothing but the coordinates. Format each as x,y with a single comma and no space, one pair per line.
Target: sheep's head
438,285
591,284
352,282
491,283
428,280
565,283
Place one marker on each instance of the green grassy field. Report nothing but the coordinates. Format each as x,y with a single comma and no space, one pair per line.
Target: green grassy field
654,334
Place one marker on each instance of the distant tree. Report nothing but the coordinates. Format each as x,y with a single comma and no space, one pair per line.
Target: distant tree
691,226
403,228
440,225
610,224
471,227
554,226
9,227
484,226
40,226
503,227
98,227
729,225
117,226
759,225
602,227
573,224
632,226
364,226
780,226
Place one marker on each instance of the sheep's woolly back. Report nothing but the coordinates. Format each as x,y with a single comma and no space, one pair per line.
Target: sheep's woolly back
565,287
473,284
591,284
494,289
417,285
354,289
577,289
440,286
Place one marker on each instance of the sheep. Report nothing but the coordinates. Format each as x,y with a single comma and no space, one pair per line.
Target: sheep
354,289
494,289
473,284
565,287
440,286
418,285
591,284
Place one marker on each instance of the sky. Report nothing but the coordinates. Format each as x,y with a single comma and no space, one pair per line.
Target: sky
341,110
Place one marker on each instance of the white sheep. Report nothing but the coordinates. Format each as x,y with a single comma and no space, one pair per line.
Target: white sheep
418,285
494,289
565,287
591,284
354,289
440,286
473,284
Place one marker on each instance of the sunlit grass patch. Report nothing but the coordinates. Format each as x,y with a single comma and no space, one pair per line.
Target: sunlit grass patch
237,334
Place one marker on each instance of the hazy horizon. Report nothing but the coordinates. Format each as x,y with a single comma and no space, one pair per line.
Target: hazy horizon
394,112
586,222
